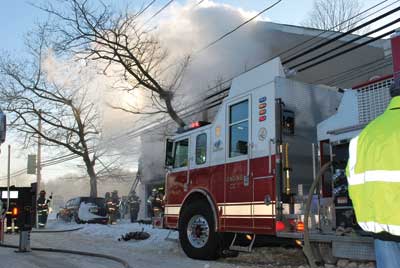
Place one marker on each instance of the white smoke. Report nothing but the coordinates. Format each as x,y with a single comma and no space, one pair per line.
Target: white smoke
185,30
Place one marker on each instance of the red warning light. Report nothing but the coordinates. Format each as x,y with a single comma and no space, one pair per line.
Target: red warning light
262,118
280,226
195,124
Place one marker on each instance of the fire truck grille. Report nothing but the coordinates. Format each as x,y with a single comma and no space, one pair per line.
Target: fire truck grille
373,100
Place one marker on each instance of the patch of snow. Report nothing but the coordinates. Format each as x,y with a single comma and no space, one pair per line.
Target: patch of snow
157,236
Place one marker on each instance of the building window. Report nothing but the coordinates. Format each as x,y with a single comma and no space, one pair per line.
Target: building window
201,149
238,129
181,153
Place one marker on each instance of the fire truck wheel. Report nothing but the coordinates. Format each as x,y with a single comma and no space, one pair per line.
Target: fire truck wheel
197,232
325,250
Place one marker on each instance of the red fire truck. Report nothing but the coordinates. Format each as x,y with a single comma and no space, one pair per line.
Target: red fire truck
245,175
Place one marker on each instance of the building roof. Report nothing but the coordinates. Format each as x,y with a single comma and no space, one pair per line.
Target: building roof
352,68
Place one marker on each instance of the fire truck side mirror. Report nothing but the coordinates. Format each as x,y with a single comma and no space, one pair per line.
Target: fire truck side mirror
169,159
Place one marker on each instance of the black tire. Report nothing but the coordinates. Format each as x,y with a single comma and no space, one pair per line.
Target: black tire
326,252
77,220
211,249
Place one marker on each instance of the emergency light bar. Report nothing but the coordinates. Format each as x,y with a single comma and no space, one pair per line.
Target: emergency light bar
193,125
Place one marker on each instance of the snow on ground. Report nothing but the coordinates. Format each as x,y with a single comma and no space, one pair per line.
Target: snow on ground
10,259
115,231
151,253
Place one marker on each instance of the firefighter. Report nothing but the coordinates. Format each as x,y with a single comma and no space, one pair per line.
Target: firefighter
116,204
112,201
134,205
373,173
123,207
43,208
156,202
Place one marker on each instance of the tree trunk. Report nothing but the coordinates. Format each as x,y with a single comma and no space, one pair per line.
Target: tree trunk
93,178
171,111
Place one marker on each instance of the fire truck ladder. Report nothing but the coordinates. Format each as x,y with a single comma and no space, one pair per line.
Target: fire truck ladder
135,183
248,248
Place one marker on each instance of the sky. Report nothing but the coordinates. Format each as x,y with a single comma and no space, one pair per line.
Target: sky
17,17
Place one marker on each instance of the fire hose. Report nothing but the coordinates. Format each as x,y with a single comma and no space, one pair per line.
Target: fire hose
57,231
76,252
307,245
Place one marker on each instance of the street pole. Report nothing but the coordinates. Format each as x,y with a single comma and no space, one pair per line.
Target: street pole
8,177
38,165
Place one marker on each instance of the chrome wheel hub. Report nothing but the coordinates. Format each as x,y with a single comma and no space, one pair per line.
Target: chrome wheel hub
198,231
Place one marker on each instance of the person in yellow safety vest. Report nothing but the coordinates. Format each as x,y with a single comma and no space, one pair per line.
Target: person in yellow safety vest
373,173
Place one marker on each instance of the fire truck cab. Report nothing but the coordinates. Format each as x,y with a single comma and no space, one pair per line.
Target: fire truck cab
244,174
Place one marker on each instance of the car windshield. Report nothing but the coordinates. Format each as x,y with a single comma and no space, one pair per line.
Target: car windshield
98,201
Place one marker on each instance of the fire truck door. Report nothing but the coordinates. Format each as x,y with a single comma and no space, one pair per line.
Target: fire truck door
237,209
177,181
199,173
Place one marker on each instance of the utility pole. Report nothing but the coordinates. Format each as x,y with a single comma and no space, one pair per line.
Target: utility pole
38,165
8,176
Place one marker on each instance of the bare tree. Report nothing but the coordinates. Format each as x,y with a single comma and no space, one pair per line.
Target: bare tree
118,41
68,113
336,15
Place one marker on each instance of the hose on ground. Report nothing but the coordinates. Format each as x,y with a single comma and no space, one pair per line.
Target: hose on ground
307,245
57,231
75,252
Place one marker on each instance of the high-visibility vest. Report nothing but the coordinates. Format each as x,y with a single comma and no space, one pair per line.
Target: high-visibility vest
373,173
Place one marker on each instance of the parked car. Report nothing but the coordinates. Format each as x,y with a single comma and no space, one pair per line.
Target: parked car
84,210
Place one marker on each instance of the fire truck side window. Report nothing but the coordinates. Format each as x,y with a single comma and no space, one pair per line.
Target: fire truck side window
181,153
288,122
238,128
201,149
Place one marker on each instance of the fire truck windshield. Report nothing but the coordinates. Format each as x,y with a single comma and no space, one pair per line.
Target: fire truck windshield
181,153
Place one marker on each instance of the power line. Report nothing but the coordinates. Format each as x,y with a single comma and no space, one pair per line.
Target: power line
341,35
199,3
367,71
350,71
224,35
159,11
298,45
145,8
314,37
337,25
304,42
238,27
346,43
346,51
